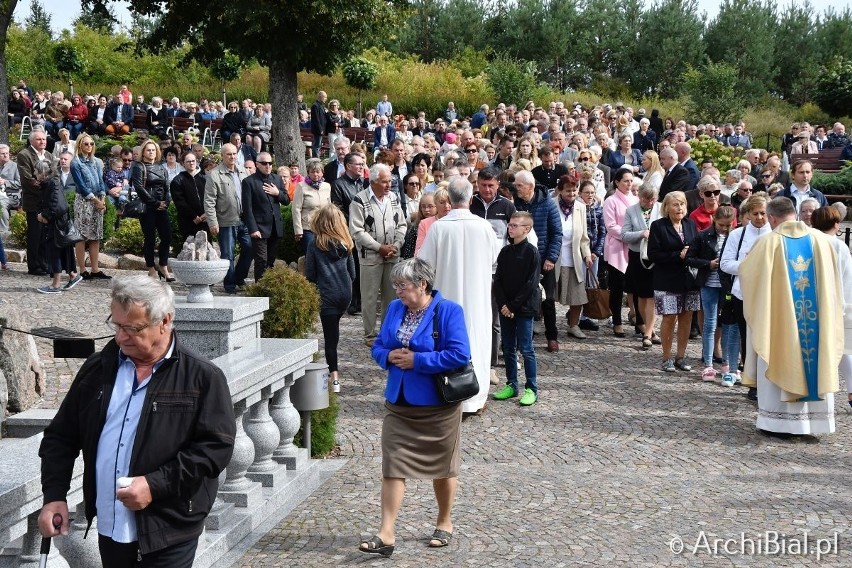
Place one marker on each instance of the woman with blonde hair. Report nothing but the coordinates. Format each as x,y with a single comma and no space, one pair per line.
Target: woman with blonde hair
442,207
150,181
526,150
654,172
329,264
89,205
676,293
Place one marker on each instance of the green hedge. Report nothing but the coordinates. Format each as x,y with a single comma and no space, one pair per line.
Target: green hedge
834,184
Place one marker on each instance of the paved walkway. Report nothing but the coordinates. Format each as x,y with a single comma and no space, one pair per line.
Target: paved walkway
615,463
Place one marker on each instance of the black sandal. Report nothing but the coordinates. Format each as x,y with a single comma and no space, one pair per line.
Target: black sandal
442,536
376,546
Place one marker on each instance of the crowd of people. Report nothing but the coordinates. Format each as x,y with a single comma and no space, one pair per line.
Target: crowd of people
530,203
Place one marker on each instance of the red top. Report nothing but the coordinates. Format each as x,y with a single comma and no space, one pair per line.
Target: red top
704,219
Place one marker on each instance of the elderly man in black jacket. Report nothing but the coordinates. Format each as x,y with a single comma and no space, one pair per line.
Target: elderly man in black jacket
155,423
263,196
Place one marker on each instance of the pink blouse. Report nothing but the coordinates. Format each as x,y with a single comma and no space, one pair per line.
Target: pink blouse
615,251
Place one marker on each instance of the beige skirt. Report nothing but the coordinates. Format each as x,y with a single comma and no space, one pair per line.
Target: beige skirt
421,442
569,291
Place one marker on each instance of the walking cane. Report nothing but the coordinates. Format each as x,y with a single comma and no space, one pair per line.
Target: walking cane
45,541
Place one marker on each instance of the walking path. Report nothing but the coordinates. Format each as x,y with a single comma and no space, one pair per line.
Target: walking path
614,464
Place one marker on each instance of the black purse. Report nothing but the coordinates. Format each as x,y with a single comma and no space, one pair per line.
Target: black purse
135,207
454,385
65,232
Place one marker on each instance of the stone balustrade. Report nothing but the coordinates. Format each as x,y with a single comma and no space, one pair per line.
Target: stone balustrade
266,471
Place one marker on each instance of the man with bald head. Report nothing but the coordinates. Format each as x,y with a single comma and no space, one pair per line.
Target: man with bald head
223,210
684,151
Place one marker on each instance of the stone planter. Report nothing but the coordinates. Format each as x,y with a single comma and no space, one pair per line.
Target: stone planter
199,275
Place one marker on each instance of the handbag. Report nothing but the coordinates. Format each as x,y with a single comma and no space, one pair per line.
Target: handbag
454,385
65,233
643,255
598,304
135,207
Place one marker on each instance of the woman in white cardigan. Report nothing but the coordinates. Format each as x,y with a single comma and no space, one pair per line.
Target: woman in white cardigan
576,256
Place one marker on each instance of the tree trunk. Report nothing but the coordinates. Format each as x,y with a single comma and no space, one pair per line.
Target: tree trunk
283,94
7,8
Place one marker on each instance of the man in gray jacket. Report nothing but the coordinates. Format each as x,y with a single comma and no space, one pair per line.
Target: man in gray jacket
377,225
223,209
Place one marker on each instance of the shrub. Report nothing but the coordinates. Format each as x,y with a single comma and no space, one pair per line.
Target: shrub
323,428
834,184
293,303
127,239
724,157
288,249
18,229
509,80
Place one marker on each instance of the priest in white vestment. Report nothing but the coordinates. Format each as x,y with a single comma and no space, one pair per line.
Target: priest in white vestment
793,305
462,249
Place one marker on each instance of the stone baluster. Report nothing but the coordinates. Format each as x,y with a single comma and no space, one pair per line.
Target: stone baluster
287,419
264,434
221,512
238,489
30,550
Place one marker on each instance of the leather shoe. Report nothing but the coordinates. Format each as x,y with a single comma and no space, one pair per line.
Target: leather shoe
589,325
552,346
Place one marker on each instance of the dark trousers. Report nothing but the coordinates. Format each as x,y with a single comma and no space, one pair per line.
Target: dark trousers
356,284
615,280
265,253
121,555
331,337
155,222
548,305
36,259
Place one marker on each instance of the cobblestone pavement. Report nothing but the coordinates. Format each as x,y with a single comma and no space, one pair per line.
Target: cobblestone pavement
614,464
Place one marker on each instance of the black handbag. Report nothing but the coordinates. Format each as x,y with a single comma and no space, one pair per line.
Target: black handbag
135,207
65,233
455,385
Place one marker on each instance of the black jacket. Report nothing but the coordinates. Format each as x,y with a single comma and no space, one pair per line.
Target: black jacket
664,247
703,250
344,189
516,279
676,180
329,172
262,212
151,183
319,118
187,191
184,440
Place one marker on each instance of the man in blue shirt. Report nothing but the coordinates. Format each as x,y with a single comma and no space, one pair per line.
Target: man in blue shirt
156,426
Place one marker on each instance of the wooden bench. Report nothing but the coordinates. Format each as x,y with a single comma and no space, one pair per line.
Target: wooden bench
358,134
140,121
211,130
308,140
827,161
178,124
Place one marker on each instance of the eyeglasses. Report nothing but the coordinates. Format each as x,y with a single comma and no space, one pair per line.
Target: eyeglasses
128,329
516,225
400,285
127,160
585,159
413,183
794,128
766,176
264,163
744,189
87,144
471,151
714,193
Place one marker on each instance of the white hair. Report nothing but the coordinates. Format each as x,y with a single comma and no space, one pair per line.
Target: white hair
157,298
460,191
377,169
524,177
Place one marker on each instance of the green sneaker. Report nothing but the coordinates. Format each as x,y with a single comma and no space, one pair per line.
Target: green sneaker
529,398
506,392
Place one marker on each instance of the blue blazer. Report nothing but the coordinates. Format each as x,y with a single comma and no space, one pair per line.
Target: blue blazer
616,160
417,385
377,136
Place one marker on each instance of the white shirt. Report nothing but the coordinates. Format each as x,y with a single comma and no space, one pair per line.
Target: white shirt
799,195
567,254
380,203
730,261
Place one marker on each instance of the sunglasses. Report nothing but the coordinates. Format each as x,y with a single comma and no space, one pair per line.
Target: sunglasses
712,193
471,151
585,159
413,184
264,163
766,176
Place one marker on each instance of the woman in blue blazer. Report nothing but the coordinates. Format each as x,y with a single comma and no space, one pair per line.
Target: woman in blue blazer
421,434
625,154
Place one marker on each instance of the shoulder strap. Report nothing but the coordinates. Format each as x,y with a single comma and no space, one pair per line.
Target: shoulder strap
740,245
435,333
